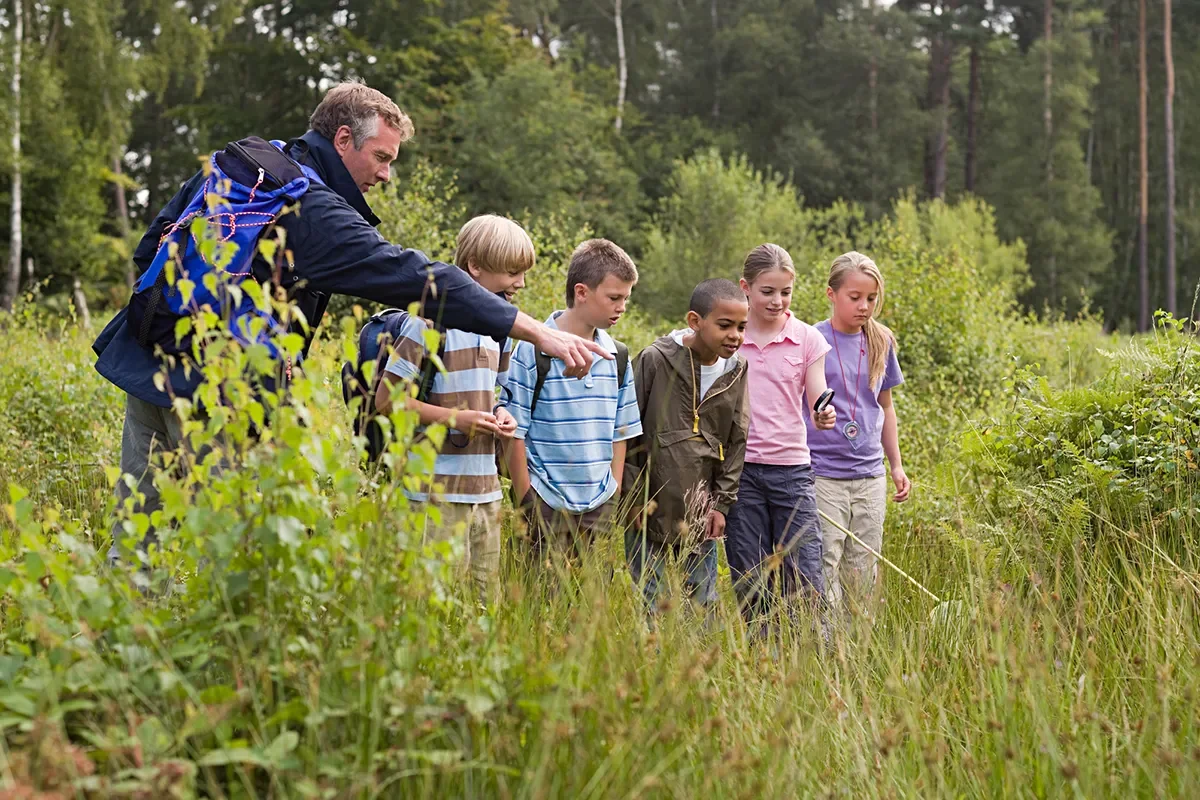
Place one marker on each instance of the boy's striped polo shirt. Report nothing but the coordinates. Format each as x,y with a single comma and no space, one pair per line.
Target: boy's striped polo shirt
475,366
569,441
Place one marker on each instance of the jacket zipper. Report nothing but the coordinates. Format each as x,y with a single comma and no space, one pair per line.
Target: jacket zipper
703,400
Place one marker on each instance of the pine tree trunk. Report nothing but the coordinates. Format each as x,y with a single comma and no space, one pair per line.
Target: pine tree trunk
622,65
972,119
1143,179
1169,109
716,106
1048,124
873,86
873,72
12,284
938,103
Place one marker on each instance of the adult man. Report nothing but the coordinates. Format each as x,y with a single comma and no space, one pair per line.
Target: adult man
355,135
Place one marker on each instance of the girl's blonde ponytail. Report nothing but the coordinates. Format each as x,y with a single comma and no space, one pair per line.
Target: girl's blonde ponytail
879,337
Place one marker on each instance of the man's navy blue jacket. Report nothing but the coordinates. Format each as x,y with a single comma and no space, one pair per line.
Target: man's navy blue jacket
336,250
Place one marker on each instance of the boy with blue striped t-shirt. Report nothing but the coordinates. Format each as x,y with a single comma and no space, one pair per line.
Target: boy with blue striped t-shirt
568,449
465,486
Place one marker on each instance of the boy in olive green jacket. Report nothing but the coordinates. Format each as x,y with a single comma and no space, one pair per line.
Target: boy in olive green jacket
683,471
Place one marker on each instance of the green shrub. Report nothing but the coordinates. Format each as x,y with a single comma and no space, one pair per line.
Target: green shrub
718,210
1127,445
527,142
60,422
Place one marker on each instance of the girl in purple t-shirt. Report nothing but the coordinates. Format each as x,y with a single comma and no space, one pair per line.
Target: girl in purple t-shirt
847,461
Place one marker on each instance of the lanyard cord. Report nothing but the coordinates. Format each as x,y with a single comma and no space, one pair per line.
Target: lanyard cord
842,368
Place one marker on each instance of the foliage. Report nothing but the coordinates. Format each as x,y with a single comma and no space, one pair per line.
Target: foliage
518,100
1126,444
294,635
1059,220
527,140
716,212
58,454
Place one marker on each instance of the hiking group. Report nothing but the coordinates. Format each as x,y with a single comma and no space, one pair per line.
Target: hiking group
697,439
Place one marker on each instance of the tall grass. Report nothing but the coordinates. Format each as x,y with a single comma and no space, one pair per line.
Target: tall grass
316,647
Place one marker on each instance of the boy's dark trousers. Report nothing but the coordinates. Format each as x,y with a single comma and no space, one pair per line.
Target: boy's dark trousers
648,562
554,531
773,537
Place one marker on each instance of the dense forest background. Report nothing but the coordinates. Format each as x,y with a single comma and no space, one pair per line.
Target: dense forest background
1070,118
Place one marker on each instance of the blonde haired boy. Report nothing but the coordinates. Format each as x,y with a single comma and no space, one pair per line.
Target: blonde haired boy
465,487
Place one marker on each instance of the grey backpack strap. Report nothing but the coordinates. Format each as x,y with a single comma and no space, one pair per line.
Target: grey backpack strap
543,369
622,364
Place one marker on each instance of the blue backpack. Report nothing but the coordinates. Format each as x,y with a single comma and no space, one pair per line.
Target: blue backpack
250,183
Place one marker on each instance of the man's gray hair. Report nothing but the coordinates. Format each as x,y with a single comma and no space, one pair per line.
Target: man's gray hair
359,107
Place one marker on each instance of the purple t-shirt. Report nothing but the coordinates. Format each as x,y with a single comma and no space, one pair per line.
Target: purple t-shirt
833,455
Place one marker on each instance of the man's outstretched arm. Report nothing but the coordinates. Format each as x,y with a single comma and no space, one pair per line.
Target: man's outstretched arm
337,251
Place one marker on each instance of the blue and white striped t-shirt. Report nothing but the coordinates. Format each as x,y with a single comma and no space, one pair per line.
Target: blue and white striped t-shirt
569,442
465,470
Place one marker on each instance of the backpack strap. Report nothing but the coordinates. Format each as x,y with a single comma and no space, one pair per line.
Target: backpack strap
543,369
622,364
429,369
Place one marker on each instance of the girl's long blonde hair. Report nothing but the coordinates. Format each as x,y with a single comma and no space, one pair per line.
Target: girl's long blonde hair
879,337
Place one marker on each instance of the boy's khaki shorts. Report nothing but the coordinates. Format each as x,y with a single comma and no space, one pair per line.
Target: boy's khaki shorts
478,525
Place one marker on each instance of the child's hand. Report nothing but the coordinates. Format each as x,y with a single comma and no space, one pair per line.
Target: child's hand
826,419
506,423
715,527
903,485
473,423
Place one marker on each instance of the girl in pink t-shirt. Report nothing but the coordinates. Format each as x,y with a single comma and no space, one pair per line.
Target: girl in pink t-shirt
773,535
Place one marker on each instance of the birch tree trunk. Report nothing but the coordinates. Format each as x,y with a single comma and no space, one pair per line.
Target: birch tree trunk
13,282
81,306
622,64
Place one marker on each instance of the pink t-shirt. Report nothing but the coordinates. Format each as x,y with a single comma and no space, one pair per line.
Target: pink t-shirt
777,433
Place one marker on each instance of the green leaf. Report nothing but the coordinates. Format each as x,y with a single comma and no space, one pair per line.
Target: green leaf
290,531
35,568
18,703
187,290
268,247
183,326
215,695
439,758
86,584
283,745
